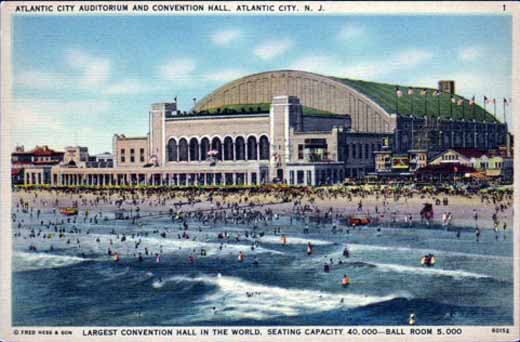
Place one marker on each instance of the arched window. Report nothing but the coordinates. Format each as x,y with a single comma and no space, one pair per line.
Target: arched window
228,148
447,139
172,150
216,145
252,149
183,150
240,148
264,148
204,148
194,149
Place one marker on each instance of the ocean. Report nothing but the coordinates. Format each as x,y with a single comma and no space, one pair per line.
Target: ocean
79,284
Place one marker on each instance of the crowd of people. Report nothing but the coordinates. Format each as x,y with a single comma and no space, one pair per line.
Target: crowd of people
36,217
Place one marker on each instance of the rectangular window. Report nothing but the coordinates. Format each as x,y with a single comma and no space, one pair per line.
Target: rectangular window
367,155
300,152
354,152
300,177
309,177
347,151
132,155
141,155
291,177
122,155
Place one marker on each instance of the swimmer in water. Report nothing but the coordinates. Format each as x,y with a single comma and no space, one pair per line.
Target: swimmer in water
412,319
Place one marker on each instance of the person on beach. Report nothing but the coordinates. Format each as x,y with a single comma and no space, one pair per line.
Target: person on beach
477,234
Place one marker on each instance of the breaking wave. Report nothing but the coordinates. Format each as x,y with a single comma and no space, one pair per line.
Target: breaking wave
23,261
239,299
457,274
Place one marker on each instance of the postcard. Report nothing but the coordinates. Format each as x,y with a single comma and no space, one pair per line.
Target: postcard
259,171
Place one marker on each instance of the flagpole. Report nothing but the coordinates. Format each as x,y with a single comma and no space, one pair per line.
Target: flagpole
504,110
411,111
439,105
425,104
495,108
396,100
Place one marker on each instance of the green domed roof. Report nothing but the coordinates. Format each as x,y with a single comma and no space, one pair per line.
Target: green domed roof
436,106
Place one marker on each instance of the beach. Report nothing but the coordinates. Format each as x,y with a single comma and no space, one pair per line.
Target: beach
274,256
391,209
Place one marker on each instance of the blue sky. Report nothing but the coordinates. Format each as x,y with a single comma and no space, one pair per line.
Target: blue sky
79,80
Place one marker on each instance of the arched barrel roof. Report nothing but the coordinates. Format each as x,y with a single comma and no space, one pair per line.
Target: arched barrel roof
369,104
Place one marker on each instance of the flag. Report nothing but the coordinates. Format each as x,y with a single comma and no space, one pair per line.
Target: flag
410,91
175,98
506,102
472,101
460,102
486,99
494,101
423,92
398,92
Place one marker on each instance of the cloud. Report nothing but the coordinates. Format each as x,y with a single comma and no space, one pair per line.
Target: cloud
180,69
128,87
225,75
57,123
94,71
323,64
35,79
351,31
225,37
469,54
334,66
272,49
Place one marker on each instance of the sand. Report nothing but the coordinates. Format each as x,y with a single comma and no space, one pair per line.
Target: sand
461,207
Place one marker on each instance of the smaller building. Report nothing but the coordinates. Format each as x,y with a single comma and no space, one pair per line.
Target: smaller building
102,160
393,165
463,156
491,164
34,166
130,152
76,156
444,172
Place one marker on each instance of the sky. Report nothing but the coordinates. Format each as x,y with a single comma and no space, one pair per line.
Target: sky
79,80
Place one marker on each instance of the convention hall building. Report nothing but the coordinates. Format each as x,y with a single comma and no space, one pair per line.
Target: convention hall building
292,127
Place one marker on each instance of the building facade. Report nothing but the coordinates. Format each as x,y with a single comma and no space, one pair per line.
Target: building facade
293,127
248,146
34,166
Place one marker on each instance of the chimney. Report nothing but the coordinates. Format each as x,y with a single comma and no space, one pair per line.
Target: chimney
447,87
